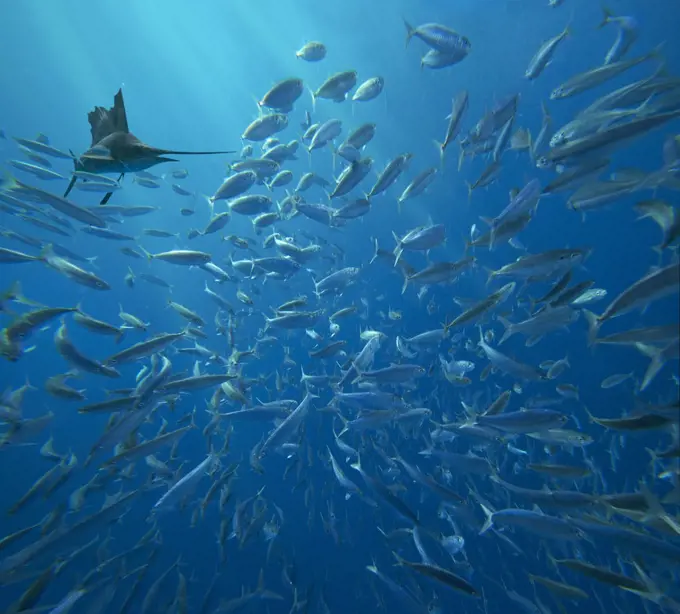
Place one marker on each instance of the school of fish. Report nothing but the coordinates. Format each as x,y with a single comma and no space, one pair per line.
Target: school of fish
426,433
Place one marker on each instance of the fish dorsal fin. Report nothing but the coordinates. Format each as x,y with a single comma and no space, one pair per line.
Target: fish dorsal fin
110,500
104,122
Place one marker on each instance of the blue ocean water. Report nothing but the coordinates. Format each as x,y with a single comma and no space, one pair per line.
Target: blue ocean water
191,76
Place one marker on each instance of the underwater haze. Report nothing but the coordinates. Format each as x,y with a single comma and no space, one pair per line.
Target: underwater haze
340,307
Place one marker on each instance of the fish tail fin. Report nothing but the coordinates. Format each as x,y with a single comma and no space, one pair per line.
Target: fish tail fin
429,448
345,428
652,592
149,255
410,31
657,363
591,418
607,17
488,521
258,105
470,189
46,252
441,149
644,213
509,329
461,156
405,284
654,507
357,466
8,182
400,561
89,458
313,95
656,52
334,158
376,249
492,275
446,326
398,250
546,112
593,326
645,108
260,583
14,293
210,201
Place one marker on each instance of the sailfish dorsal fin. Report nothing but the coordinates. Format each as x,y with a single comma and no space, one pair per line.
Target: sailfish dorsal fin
104,122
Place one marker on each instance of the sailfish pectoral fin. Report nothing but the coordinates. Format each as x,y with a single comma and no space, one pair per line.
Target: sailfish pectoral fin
108,195
74,178
70,186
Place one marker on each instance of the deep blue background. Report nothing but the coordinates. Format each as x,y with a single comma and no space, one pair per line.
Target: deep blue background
190,74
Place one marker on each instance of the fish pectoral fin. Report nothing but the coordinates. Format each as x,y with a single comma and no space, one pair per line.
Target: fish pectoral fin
70,186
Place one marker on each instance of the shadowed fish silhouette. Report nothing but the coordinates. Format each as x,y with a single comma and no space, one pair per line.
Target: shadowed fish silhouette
115,149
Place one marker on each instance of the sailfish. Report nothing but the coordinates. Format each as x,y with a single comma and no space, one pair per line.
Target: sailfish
115,149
